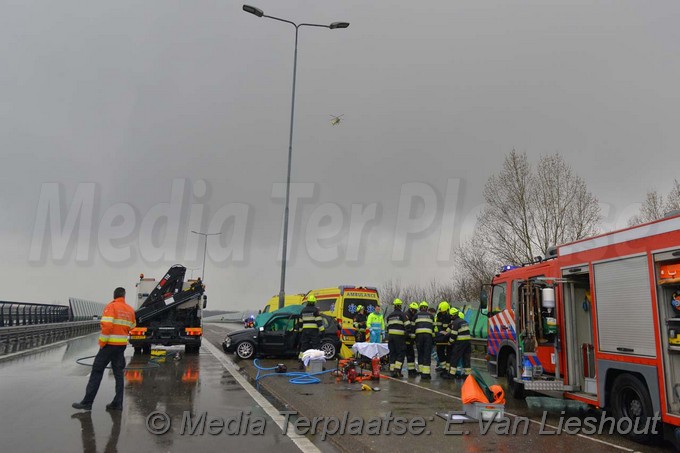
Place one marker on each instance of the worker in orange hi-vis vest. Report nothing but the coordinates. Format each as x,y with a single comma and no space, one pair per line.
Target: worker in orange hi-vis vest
117,320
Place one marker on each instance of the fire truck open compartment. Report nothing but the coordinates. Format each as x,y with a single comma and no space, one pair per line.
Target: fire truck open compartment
669,323
578,335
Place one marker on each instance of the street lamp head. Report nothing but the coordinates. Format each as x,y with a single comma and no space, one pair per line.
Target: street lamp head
335,25
252,10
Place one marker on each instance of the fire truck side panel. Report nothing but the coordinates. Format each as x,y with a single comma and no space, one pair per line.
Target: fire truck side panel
623,306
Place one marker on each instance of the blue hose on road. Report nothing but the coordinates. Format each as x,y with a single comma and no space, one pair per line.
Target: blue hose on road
297,377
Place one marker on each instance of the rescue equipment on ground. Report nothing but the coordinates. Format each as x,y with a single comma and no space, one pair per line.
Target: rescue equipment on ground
375,368
297,377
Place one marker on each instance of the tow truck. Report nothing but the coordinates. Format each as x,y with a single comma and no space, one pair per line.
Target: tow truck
171,314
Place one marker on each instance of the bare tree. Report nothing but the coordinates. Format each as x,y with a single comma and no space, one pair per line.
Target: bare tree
656,205
475,265
673,198
528,211
389,291
562,209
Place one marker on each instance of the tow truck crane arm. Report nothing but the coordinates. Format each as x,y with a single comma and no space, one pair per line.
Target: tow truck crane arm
168,289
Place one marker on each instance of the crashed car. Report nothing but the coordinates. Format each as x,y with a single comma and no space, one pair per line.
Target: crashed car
278,334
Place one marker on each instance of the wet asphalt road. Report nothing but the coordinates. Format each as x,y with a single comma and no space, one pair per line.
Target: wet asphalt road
412,398
37,389
36,392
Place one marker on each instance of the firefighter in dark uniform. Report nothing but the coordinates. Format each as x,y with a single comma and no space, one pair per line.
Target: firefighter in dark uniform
312,327
441,328
461,349
398,327
424,330
360,324
410,355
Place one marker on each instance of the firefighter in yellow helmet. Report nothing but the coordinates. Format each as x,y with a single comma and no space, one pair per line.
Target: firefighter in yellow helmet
398,327
424,331
461,350
360,324
311,327
441,327
410,356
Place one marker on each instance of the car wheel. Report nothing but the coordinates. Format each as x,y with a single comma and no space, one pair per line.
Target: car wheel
515,389
329,350
245,350
631,400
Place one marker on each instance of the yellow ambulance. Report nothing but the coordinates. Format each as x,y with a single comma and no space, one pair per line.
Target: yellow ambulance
341,302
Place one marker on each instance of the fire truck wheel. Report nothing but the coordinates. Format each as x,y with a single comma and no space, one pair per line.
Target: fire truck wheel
515,389
630,399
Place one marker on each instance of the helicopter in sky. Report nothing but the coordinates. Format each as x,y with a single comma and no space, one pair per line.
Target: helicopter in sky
336,119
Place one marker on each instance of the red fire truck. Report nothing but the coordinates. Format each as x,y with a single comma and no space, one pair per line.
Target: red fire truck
597,320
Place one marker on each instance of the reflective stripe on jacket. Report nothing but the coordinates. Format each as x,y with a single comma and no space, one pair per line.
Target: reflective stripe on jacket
398,323
411,315
442,322
117,321
460,330
311,319
424,323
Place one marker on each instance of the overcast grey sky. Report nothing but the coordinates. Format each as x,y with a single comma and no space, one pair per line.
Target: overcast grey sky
109,102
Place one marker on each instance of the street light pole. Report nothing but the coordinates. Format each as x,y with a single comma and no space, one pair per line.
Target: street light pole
205,249
284,254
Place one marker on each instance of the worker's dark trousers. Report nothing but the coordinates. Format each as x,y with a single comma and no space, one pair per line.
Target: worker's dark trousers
115,356
309,339
397,346
460,350
410,355
443,354
360,335
424,346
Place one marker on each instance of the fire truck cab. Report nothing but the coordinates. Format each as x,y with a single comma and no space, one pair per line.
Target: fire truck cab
595,321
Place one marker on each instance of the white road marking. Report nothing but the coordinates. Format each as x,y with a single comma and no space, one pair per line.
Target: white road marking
304,444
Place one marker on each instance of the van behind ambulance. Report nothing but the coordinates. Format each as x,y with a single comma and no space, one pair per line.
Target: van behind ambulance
290,299
341,302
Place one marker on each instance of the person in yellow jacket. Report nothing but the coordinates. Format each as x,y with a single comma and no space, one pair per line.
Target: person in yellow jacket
117,321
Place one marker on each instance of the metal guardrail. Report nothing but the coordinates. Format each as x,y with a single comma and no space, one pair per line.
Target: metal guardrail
26,325
84,310
479,345
26,332
25,314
